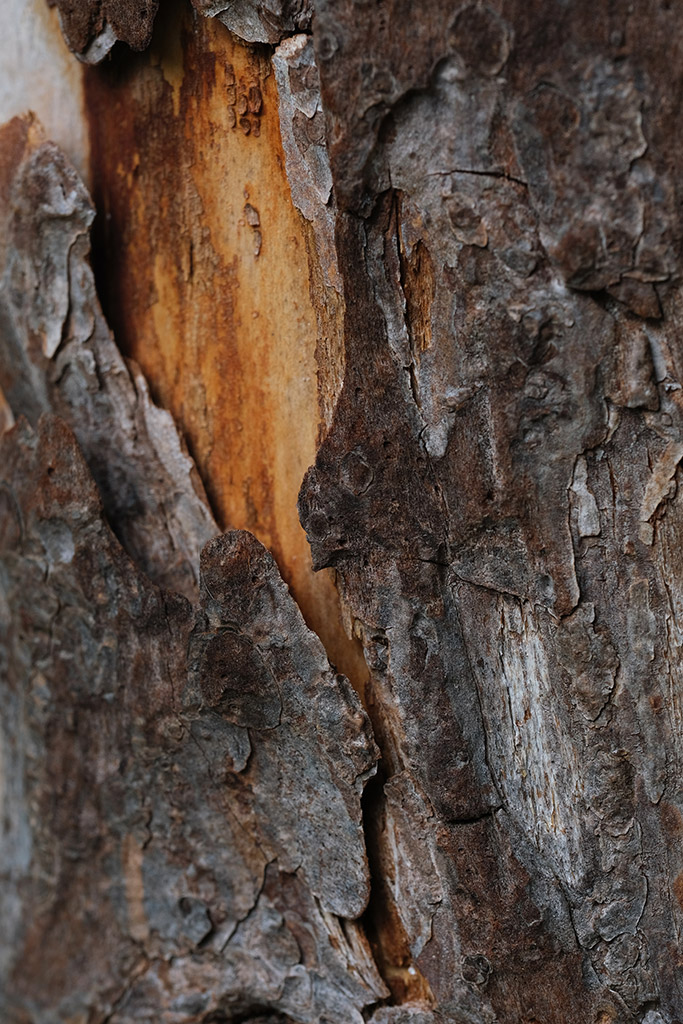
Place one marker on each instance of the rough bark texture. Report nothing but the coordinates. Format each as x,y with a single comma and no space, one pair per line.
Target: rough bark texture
200,821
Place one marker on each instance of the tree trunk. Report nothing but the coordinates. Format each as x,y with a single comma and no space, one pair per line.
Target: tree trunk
420,764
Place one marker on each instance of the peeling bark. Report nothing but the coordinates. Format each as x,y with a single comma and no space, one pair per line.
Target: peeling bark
57,355
202,822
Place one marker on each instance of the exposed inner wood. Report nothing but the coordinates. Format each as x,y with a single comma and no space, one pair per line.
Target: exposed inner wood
39,74
198,820
205,279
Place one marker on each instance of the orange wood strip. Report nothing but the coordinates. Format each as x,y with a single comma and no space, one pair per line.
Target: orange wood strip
202,261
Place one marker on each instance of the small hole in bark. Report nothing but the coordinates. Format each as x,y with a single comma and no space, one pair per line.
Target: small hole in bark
476,969
327,46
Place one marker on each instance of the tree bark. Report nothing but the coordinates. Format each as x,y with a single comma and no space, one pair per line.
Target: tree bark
420,266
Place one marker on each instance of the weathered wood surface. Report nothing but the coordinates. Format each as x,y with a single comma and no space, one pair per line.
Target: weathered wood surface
496,490
204,276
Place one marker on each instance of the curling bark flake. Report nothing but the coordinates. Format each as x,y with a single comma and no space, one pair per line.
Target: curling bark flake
200,819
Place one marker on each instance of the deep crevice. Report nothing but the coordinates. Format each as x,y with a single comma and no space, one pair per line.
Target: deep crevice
381,921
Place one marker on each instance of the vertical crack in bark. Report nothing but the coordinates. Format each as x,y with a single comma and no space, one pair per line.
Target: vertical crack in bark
383,926
510,423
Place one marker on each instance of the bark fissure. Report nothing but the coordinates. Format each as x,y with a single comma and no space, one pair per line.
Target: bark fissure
492,238
480,173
